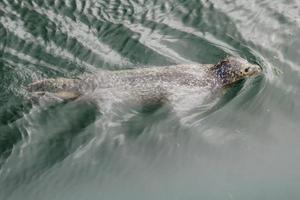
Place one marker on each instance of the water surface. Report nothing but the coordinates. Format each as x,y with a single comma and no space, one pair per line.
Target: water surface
243,146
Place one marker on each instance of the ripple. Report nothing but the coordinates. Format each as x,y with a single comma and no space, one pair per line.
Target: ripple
207,149
83,34
17,28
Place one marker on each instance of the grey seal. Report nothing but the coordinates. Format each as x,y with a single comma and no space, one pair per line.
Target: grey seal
151,84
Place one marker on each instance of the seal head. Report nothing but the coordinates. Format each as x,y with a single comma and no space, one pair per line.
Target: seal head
233,69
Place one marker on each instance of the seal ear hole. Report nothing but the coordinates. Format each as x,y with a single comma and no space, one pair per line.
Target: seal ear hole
247,69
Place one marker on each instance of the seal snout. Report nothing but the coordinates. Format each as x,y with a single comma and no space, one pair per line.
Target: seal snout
252,70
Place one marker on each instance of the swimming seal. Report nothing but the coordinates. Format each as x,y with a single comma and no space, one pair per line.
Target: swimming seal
150,84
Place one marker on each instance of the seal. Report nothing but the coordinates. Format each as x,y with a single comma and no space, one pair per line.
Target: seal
151,84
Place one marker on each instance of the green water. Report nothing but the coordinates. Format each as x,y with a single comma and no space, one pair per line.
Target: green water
245,147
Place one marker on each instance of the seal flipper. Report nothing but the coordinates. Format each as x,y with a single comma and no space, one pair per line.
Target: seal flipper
67,95
55,90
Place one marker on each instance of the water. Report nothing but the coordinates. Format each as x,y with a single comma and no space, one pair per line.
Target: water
246,146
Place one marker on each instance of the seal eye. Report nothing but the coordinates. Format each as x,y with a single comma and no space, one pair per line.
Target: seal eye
247,69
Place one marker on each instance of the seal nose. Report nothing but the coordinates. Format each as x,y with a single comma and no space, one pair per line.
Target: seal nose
259,68
255,70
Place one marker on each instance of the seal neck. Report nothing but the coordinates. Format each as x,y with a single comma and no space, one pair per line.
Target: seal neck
222,73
